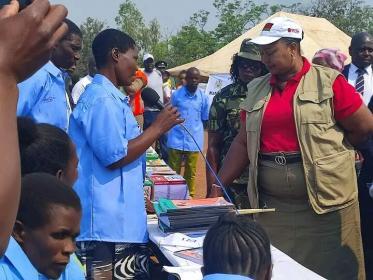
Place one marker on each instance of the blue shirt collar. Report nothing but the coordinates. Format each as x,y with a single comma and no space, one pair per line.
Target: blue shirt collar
102,80
53,69
189,94
20,261
220,276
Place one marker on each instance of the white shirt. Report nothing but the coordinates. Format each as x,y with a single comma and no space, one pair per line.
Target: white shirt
155,82
79,87
368,81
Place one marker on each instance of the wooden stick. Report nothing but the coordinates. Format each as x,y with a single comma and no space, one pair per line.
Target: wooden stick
255,211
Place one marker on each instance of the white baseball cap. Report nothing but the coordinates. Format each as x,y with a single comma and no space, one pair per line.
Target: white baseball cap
277,28
147,56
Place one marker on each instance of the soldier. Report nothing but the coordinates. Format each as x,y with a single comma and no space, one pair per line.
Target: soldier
224,119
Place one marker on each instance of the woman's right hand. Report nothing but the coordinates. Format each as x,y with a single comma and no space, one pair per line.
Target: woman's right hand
167,118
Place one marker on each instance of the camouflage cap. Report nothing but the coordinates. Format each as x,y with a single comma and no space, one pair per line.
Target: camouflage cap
249,50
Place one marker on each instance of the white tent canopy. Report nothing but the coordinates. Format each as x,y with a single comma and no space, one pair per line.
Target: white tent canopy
318,33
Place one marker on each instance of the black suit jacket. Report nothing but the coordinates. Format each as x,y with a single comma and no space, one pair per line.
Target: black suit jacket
346,70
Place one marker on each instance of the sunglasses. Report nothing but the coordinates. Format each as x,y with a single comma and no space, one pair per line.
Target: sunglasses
252,65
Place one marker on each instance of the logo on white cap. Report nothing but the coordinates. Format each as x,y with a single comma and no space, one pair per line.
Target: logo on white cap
277,28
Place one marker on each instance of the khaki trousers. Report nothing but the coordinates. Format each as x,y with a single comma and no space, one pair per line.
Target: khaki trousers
328,244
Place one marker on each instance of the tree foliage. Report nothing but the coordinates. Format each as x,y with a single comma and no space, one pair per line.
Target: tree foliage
194,41
350,16
148,37
90,28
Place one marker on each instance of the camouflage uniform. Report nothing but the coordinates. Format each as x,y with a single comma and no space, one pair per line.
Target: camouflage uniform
225,119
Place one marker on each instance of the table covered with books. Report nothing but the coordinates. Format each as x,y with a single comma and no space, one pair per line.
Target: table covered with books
179,225
184,250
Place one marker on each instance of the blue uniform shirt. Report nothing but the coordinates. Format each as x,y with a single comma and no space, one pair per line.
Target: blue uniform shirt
219,276
101,125
194,109
15,265
42,97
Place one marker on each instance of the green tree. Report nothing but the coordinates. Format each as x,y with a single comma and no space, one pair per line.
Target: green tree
192,41
235,17
90,28
350,16
148,37
131,21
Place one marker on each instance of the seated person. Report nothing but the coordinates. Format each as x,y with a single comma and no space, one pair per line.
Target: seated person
43,238
236,248
47,148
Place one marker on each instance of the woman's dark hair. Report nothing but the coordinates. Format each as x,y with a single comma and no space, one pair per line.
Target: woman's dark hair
43,147
39,192
234,68
107,40
236,245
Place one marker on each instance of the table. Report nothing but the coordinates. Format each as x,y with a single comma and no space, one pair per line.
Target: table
284,267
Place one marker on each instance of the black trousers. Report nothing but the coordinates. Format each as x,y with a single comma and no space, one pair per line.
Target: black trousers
366,207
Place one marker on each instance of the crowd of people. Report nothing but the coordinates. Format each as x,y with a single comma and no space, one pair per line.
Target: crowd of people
286,134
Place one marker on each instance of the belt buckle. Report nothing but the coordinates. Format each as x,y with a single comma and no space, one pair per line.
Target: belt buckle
280,159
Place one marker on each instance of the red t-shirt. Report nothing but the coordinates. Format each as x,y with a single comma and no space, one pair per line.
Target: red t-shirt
278,132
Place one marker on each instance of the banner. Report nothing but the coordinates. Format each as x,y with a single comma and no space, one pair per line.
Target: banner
215,83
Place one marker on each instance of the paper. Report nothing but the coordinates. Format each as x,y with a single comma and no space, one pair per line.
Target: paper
178,241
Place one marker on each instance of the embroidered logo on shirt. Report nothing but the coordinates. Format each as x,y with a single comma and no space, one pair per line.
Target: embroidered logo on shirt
48,99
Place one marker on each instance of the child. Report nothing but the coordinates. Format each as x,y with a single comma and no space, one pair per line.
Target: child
236,248
43,238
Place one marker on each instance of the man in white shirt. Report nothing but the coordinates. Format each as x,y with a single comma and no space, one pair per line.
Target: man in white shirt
80,86
155,82
360,75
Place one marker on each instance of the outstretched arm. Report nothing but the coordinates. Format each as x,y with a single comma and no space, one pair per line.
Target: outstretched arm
26,42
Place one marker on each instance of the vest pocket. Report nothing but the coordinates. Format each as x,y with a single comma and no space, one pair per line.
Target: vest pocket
315,107
335,179
254,116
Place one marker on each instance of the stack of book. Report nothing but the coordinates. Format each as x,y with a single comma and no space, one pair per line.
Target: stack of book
169,186
190,216
151,154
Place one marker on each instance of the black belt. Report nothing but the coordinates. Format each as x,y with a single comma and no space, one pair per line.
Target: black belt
281,158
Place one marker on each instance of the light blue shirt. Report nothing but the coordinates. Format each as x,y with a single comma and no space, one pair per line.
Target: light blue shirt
15,265
219,276
194,109
101,125
42,97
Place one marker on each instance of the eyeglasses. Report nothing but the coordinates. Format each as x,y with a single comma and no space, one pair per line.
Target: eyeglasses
252,65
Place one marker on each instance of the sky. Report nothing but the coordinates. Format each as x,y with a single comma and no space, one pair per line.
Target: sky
171,14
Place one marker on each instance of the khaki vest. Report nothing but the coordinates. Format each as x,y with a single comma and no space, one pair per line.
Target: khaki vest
328,159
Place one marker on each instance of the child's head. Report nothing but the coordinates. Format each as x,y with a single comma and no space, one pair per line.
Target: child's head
46,148
237,245
48,221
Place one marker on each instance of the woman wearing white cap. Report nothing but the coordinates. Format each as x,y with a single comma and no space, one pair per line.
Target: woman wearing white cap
299,123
